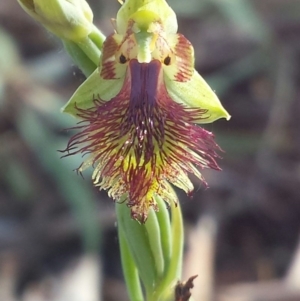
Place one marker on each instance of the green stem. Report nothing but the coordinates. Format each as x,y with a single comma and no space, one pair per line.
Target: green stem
79,58
130,271
97,37
90,49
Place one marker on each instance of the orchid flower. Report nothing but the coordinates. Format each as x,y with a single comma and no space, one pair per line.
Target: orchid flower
140,111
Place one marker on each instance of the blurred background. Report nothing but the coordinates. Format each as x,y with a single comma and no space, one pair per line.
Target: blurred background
58,239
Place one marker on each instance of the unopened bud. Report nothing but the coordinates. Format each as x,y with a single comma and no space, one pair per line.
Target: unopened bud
68,19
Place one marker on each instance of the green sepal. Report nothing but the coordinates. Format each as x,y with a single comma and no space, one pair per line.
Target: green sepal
196,93
150,7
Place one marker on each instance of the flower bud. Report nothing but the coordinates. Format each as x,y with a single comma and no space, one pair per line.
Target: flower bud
68,19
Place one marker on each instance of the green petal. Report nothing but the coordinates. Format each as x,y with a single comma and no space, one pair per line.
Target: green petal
93,88
196,93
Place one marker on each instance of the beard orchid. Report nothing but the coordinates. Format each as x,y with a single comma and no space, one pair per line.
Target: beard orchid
140,109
